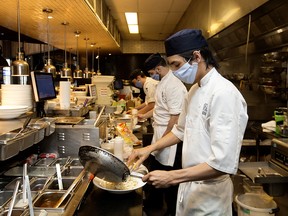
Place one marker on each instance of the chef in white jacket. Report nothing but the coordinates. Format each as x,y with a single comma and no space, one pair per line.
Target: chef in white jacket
211,125
169,98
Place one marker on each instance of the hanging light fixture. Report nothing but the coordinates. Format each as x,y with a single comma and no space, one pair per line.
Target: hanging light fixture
49,68
77,73
66,71
87,73
92,68
98,60
19,66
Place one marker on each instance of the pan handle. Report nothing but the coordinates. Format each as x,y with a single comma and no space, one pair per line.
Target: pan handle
72,186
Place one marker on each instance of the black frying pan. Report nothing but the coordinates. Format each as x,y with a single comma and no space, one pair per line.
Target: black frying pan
103,164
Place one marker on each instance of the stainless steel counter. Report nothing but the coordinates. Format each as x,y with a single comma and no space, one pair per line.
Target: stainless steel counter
100,202
78,195
10,125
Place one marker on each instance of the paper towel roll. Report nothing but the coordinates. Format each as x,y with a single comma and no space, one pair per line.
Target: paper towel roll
64,94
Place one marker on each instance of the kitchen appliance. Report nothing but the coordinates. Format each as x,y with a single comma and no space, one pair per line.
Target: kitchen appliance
104,89
272,174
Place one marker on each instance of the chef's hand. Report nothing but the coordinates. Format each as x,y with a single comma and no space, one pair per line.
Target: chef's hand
137,157
141,116
158,178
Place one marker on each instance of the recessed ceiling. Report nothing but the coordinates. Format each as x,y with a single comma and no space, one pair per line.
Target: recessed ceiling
157,20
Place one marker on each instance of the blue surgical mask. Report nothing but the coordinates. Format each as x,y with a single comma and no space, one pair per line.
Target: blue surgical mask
138,84
187,72
155,76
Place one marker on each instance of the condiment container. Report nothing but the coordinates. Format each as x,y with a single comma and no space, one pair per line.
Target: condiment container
118,147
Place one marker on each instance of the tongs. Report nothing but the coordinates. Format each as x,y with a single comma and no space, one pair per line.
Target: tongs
25,124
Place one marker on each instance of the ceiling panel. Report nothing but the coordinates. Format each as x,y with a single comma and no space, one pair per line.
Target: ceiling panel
156,18
151,6
152,18
173,18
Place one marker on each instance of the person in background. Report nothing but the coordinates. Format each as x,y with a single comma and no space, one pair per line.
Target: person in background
139,79
212,124
169,99
152,72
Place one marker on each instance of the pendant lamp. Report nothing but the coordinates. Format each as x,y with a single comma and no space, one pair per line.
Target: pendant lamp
66,71
87,73
49,68
78,72
98,60
92,68
19,66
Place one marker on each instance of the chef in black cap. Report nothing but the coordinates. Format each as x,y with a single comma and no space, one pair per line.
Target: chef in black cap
150,64
211,126
169,97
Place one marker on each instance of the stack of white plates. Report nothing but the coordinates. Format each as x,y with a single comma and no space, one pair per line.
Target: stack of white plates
12,111
20,95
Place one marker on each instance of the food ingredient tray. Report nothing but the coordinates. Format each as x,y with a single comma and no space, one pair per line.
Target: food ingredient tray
31,171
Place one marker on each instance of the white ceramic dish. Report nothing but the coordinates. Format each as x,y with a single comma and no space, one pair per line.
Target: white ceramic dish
104,185
12,107
136,181
10,111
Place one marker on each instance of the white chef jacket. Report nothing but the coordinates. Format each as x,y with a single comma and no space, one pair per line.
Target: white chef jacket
169,99
211,126
149,89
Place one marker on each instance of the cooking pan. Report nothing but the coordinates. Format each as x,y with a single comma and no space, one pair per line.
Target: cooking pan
103,164
274,56
267,70
268,89
268,81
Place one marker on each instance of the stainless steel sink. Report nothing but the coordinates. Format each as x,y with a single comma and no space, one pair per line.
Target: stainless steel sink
19,204
36,171
75,162
10,145
71,171
44,162
4,197
12,184
61,161
48,200
67,182
15,212
37,184
27,136
50,122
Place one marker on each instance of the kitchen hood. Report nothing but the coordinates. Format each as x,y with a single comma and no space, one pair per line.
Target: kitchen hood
268,25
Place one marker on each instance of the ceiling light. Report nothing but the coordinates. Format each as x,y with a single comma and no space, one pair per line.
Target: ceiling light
131,18
132,21
133,29
19,66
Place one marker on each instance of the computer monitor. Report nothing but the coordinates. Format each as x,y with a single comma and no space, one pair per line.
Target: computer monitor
43,86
